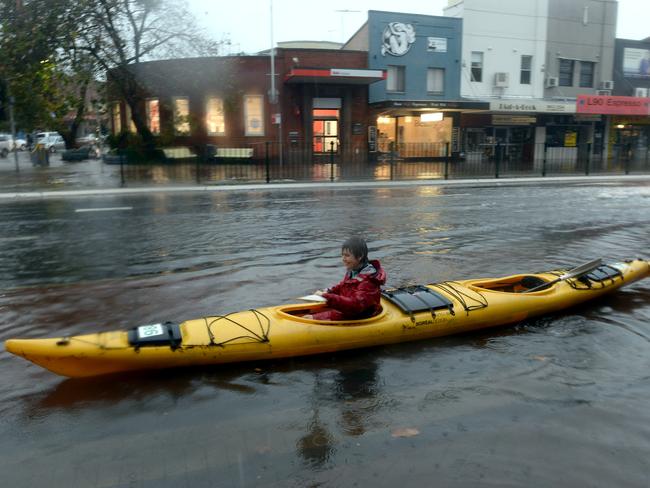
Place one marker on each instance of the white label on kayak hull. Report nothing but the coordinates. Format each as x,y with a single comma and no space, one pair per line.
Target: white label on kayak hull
152,330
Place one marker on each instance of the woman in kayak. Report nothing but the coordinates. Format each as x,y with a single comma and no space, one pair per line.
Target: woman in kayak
357,295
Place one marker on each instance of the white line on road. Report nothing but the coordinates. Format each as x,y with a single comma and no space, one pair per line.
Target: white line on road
104,209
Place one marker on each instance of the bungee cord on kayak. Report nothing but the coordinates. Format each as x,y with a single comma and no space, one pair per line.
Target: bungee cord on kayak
255,337
460,295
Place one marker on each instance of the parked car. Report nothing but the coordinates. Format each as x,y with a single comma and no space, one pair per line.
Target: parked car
87,140
6,145
20,144
52,141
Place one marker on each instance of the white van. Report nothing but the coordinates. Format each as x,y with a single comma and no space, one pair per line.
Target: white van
52,141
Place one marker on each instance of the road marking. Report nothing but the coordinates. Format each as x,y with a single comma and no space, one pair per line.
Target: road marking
104,209
297,201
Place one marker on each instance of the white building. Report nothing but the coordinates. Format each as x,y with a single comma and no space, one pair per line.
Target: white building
530,59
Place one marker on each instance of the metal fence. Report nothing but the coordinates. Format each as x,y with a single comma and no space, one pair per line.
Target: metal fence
268,162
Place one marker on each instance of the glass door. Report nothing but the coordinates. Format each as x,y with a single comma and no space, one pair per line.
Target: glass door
326,130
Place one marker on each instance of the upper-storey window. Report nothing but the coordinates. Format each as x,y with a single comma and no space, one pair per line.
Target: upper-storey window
566,72
435,80
587,69
395,81
526,69
477,66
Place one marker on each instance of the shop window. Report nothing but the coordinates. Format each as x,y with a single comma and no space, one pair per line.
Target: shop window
326,130
526,68
181,116
152,109
566,72
117,118
385,133
477,66
586,74
436,80
215,120
395,81
254,115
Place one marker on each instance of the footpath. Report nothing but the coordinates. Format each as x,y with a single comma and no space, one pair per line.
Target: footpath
93,177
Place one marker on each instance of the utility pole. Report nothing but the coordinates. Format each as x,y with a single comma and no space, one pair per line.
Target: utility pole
273,96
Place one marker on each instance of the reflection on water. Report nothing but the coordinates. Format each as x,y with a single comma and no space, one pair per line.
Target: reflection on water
490,409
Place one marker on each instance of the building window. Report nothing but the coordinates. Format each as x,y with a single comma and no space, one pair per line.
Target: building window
215,119
152,108
181,116
566,72
395,79
129,119
117,118
587,74
436,80
254,115
477,66
526,68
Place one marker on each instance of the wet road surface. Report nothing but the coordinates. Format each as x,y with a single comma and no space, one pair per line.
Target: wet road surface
559,401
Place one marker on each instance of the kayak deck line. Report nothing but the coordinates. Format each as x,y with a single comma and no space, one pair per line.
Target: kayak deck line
407,314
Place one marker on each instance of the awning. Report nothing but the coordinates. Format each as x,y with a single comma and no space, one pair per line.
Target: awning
335,75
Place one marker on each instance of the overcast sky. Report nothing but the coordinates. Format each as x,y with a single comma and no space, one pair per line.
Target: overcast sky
246,22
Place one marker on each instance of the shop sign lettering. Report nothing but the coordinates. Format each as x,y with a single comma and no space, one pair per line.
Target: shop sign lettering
588,104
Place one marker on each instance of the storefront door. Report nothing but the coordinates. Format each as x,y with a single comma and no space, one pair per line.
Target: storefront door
325,130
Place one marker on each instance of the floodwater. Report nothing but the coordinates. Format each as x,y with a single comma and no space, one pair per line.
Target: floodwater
558,401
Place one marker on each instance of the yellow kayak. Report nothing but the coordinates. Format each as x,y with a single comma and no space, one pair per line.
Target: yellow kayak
407,314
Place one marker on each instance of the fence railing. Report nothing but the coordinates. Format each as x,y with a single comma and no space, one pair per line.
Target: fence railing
269,162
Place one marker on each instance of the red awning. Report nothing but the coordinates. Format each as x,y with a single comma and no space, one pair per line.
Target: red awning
335,75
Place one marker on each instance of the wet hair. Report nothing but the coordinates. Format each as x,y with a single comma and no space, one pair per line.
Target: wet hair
357,246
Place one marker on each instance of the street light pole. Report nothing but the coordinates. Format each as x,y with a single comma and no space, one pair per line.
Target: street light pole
273,97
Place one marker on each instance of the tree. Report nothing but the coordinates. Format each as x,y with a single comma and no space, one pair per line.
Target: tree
46,74
120,34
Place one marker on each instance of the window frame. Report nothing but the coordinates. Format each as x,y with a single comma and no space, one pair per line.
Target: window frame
222,115
247,131
572,64
400,76
441,79
175,116
147,112
526,73
476,67
592,74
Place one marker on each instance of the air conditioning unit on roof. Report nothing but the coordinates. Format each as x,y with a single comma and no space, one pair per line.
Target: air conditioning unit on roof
641,92
607,85
552,82
501,79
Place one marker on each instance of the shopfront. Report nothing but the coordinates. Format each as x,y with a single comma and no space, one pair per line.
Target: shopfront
629,123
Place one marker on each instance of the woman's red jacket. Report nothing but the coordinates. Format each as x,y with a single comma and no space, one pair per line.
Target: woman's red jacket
356,297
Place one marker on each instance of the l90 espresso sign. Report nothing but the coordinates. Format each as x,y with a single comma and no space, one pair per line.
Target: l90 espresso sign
593,104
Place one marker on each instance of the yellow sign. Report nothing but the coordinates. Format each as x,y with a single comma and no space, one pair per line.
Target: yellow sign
570,139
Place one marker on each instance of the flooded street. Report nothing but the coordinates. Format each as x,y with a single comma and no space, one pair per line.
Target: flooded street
559,401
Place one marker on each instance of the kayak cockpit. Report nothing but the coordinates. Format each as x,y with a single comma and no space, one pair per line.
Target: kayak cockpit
513,284
407,300
297,313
